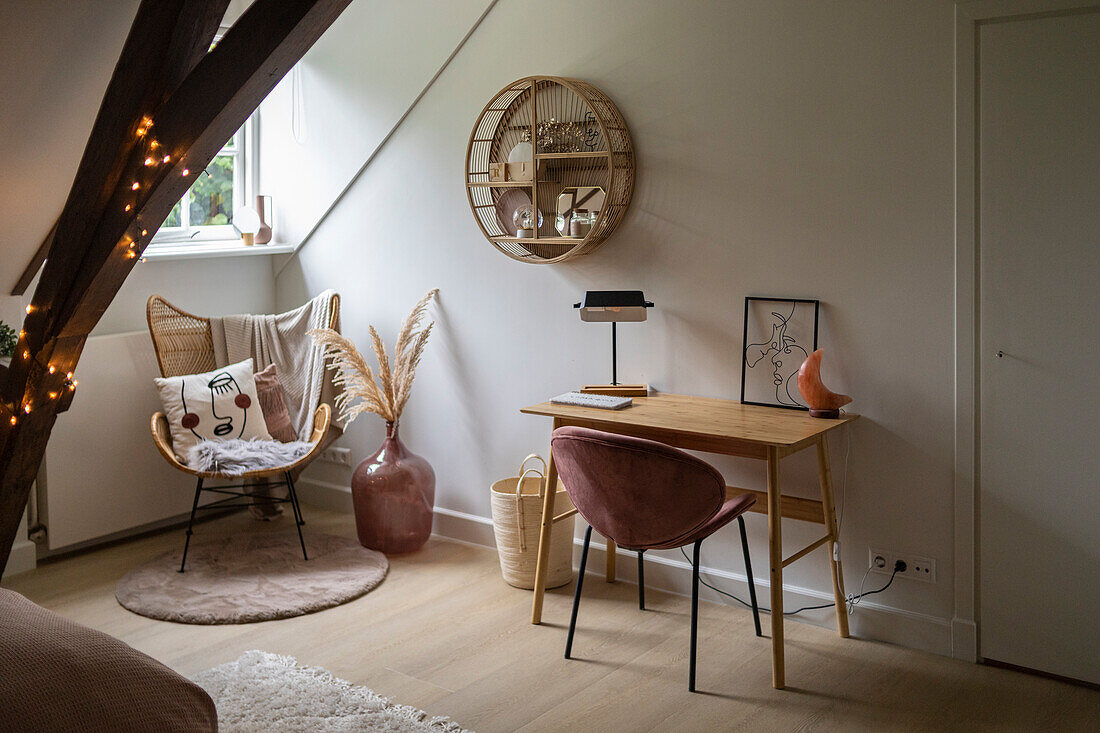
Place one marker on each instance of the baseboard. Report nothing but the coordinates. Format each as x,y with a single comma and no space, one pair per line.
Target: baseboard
324,494
447,523
464,527
964,639
870,621
23,557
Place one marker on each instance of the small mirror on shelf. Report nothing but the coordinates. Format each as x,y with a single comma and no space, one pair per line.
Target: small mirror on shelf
578,208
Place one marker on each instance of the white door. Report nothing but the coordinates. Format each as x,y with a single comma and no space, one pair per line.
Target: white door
1039,174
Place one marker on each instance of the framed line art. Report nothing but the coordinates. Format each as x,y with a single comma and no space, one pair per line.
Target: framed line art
779,334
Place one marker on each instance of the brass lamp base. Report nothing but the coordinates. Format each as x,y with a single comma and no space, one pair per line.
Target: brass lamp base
617,390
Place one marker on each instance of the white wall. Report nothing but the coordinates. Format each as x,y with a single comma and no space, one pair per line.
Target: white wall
350,89
56,57
784,148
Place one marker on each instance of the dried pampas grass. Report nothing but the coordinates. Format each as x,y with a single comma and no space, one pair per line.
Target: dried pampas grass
386,394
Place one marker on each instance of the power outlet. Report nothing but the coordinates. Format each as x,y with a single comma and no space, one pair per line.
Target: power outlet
337,456
917,567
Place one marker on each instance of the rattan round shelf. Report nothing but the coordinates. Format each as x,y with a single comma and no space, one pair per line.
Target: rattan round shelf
562,145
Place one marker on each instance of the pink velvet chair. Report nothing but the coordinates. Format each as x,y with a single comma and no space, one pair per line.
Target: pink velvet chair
646,495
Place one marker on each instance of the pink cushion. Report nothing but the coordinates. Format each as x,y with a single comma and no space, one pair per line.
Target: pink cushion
272,398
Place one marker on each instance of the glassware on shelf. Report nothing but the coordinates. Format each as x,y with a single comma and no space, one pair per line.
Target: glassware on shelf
580,224
525,220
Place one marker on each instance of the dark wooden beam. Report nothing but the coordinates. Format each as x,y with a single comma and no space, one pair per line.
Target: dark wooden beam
194,111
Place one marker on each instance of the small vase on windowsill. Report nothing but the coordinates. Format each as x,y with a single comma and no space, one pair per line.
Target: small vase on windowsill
393,492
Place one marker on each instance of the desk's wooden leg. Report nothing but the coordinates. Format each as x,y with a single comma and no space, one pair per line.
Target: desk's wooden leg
825,477
543,562
611,547
775,551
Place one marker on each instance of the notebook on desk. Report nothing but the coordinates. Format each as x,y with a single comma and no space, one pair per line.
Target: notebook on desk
600,401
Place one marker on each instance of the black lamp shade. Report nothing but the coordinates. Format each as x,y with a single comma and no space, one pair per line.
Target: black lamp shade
613,306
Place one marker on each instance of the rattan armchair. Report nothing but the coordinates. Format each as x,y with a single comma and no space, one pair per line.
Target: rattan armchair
184,344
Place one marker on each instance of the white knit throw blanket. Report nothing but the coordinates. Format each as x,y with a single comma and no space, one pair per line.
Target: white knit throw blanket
283,340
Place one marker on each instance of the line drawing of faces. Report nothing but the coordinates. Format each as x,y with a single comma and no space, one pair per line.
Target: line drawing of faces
786,356
228,405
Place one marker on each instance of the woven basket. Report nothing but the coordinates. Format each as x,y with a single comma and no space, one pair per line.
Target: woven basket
517,516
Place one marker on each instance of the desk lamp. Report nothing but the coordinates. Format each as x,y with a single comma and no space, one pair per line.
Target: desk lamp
614,307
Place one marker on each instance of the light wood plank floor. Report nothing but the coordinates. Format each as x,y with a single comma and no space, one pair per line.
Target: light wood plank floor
444,633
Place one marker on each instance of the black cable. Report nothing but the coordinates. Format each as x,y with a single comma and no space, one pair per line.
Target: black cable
849,599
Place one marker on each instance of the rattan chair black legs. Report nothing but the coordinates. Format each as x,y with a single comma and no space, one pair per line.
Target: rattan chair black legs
232,495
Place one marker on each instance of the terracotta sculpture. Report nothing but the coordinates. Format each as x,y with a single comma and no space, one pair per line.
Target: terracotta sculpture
822,401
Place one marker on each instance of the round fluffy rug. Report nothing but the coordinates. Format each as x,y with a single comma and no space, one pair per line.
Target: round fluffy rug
251,577
268,693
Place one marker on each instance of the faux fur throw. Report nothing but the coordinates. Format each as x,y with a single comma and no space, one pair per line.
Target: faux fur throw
236,457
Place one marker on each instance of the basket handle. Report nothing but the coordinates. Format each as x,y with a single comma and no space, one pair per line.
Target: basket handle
519,503
538,458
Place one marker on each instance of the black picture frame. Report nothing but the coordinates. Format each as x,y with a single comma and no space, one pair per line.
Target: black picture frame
783,369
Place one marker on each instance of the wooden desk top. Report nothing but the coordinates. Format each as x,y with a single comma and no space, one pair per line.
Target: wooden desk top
703,417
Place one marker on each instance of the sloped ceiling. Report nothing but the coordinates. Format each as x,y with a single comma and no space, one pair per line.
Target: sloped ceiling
56,57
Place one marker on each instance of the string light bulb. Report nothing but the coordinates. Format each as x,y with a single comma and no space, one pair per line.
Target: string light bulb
14,420
52,369
135,186
53,395
131,254
27,408
128,207
144,232
26,354
186,172
30,309
149,161
69,376
154,144
167,158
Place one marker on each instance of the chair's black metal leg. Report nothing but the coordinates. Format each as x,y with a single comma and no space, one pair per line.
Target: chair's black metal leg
641,580
301,519
191,521
748,574
577,595
297,513
694,614
295,510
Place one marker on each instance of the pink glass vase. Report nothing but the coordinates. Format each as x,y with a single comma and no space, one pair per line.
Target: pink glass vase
393,492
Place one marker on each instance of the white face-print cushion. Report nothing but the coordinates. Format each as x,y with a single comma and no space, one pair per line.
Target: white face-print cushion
217,405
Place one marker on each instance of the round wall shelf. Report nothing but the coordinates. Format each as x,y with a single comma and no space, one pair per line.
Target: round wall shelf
561,145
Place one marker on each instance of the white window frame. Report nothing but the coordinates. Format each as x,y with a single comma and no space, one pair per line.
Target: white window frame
245,183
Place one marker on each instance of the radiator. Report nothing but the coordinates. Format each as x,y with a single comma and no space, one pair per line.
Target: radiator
104,477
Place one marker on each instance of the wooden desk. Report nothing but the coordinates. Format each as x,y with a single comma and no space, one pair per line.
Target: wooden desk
729,428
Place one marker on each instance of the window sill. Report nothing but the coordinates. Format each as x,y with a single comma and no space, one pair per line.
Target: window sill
202,250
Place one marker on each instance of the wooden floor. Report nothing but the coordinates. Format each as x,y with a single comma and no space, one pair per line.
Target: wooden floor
444,633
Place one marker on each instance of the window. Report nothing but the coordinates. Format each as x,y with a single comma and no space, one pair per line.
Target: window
205,213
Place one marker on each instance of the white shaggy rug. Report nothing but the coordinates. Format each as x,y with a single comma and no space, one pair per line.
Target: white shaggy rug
269,693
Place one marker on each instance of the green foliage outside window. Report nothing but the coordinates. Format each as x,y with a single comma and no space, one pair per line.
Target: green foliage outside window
211,197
